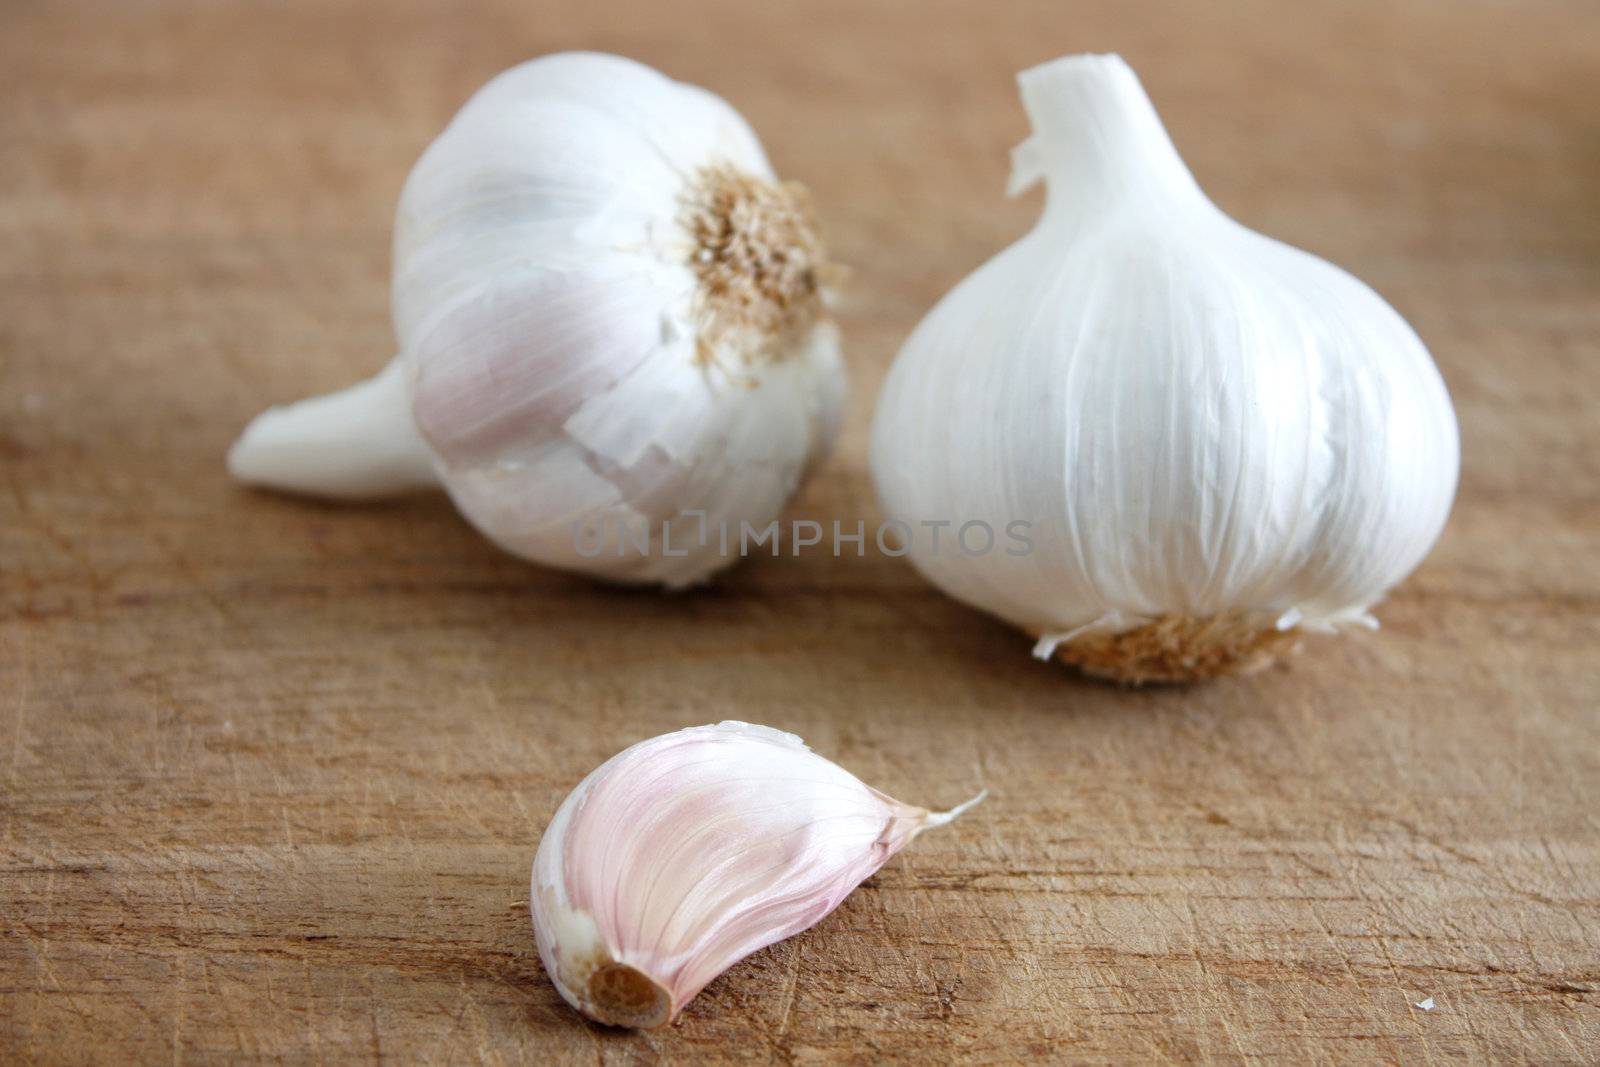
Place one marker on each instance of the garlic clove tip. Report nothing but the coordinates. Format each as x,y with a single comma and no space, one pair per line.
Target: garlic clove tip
941,818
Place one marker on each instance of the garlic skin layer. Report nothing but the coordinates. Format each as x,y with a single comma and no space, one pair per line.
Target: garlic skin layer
609,312
1219,441
685,853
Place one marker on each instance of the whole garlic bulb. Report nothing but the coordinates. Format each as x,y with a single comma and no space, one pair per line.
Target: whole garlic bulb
1216,441
609,313
683,854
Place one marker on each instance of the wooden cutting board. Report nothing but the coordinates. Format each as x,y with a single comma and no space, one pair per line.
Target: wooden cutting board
272,772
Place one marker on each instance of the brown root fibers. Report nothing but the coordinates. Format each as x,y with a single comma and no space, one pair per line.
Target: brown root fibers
760,261
1179,648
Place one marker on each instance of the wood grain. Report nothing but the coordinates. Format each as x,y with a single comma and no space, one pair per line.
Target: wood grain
272,773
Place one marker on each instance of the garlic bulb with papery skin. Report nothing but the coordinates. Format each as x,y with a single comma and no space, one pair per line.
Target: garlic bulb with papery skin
1217,441
685,853
610,316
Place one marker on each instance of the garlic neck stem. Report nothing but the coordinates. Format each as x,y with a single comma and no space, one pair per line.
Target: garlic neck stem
358,443
1097,140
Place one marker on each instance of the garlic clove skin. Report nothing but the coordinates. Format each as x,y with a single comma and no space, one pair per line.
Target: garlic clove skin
685,853
1221,442
608,310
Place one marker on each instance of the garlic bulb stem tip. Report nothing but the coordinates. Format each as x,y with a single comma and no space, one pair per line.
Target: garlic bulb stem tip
359,443
1096,136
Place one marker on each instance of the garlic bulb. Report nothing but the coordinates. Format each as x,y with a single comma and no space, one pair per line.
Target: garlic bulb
610,316
1204,441
685,853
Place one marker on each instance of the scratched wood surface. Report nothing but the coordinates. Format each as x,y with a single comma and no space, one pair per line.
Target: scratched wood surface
271,772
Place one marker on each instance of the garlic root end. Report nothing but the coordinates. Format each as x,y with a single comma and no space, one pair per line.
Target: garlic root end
359,443
621,995
1176,649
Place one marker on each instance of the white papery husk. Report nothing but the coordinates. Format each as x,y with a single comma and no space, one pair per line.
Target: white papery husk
558,349
685,853
1219,440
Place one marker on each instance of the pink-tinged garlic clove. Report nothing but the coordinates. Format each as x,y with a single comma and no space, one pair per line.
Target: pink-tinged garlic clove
685,853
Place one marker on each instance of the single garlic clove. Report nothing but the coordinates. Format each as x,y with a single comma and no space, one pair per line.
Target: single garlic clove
685,853
1216,442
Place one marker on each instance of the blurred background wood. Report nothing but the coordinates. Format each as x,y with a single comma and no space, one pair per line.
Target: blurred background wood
272,772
